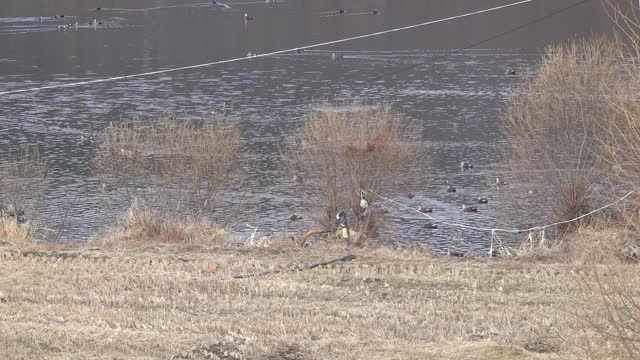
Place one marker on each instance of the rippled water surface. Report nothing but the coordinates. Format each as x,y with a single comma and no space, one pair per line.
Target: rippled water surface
455,98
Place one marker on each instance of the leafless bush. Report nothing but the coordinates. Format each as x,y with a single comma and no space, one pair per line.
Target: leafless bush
183,162
610,314
339,153
552,122
22,180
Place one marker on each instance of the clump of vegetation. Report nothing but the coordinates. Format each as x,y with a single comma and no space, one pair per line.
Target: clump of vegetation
344,156
22,180
177,167
175,155
145,225
552,122
609,317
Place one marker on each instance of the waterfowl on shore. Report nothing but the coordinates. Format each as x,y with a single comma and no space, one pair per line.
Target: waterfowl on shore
295,217
298,179
467,208
482,200
107,187
465,165
247,17
424,210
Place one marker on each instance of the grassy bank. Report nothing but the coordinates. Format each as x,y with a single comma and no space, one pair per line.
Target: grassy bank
183,303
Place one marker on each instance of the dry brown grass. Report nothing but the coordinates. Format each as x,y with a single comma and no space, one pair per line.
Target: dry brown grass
23,178
170,302
20,236
338,153
145,225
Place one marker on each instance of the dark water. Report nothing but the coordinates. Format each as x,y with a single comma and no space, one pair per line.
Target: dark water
456,100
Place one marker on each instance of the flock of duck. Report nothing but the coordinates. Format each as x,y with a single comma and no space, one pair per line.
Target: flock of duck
364,203
60,17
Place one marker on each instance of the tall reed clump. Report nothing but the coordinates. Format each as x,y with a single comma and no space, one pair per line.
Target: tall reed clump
552,122
341,157
23,178
175,167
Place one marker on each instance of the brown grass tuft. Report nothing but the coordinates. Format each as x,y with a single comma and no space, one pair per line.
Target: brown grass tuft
145,225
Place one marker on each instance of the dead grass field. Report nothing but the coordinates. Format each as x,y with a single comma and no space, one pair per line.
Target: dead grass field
181,302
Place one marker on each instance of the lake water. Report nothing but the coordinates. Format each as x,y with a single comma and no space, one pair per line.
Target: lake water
455,99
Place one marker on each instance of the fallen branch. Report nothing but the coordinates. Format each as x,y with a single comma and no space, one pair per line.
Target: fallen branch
308,267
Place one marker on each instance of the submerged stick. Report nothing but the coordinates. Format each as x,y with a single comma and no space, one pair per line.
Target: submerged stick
308,267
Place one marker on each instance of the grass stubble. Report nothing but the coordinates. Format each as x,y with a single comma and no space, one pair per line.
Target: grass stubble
180,301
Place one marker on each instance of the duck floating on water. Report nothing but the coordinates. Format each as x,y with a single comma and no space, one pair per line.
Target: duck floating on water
465,165
424,210
500,182
467,208
375,12
429,226
511,72
450,188
482,200
410,195
295,217
247,17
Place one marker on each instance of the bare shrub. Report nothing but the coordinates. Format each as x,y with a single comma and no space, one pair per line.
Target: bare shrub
182,162
552,122
338,154
610,313
22,180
